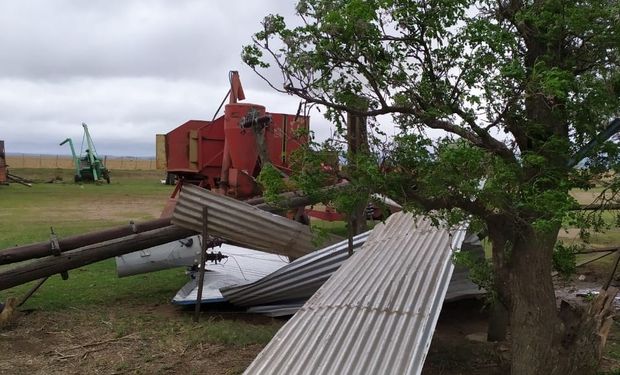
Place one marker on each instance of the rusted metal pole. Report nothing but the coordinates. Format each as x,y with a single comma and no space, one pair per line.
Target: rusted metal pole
290,200
42,249
31,291
201,272
90,254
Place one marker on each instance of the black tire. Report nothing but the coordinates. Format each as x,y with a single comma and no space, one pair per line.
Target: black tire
77,178
171,179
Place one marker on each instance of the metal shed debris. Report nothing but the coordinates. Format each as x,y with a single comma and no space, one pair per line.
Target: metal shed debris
284,291
296,281
242,266
377,313
243,224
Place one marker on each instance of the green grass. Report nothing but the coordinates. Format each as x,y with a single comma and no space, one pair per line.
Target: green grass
26,215
233,333
338,228
97,284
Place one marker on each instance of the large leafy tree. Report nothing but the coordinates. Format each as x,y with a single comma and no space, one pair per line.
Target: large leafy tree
510,91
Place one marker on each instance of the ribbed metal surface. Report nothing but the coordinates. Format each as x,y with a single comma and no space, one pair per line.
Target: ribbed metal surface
377,313
243,224
300,279
295,281
460,284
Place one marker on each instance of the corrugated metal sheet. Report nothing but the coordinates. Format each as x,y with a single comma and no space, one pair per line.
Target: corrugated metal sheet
299,280
377,313
244,224
275,311
295,281
460,285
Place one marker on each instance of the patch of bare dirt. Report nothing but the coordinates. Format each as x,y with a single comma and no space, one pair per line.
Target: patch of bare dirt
459,344
160,338
103,341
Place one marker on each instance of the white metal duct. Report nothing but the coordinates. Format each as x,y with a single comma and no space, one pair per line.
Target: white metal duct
377,313
243,224
180,253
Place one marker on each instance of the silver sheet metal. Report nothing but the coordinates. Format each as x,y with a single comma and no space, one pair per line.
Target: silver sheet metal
275,311
300,279
243,224
377,313
295,281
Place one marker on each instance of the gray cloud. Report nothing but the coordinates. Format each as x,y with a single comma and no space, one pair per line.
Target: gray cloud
128,68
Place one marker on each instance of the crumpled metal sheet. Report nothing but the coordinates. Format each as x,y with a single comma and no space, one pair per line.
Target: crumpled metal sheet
300,279
242,266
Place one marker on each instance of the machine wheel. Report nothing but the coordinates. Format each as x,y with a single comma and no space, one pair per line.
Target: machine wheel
106,176
77,178
171,179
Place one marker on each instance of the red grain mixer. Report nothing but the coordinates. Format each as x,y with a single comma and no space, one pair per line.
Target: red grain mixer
227,154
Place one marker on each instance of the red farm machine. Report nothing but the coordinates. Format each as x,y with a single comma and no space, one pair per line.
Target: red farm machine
227,153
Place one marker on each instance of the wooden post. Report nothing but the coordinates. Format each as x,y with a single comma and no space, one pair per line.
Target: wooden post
357,142
42,249
90,254
203,253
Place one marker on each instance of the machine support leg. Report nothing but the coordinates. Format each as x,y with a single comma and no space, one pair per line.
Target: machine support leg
34,288
201,272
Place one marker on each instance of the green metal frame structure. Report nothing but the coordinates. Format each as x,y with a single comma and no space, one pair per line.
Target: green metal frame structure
89,167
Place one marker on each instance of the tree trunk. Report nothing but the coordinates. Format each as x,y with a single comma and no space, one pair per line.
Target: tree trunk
545,340
533,318
499,233
357,140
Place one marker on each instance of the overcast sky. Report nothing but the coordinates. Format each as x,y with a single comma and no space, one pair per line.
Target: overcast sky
130,69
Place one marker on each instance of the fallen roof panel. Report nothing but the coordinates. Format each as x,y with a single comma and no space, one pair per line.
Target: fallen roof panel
297,280
377,313
243,224
300,279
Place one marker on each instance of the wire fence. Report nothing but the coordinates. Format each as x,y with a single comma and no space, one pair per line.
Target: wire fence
66,162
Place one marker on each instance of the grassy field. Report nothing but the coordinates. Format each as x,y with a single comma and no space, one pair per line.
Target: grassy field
26,215
97,323
142,332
